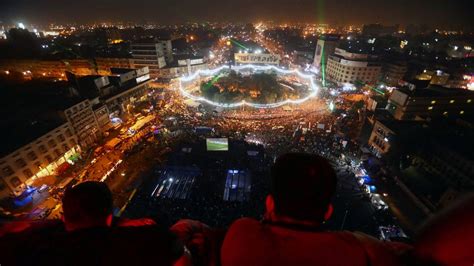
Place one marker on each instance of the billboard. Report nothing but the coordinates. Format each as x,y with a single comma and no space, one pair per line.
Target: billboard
217,144
247,58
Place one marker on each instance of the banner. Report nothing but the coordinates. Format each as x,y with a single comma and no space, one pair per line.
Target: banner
246,58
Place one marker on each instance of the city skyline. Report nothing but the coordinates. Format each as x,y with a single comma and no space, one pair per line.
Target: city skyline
339,13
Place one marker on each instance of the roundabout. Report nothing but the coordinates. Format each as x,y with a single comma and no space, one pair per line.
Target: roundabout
248,85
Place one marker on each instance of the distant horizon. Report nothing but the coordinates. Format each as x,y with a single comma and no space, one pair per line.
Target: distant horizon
27,22
434,13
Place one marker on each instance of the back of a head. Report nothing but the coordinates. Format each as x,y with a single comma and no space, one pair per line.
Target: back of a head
302,186
87,204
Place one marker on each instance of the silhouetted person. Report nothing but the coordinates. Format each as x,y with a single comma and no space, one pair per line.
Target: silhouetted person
290,233
87,205
90,239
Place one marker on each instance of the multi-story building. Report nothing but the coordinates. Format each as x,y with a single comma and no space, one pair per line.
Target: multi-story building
84,123
435,77
105,64
393,73
48,68
101,113
379,139
22,164
325,46
183,65
131,85
152,53
442,155
433,101
348,67
117,92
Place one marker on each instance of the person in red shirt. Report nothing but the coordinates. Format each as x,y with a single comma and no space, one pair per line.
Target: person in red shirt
290,234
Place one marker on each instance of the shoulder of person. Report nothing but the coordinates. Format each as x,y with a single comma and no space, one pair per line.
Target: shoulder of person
245,222
379,252
241,227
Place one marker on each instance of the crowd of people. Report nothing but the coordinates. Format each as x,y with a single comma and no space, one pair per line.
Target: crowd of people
284,226
290,232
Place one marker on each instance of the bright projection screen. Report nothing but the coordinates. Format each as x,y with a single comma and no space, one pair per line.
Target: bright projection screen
217,144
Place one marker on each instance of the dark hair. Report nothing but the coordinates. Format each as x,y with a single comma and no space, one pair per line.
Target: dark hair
302,186
87,201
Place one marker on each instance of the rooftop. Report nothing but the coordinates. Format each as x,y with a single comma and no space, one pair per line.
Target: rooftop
436,91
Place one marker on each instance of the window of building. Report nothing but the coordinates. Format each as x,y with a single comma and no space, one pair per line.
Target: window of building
49,158
57,152
7,170
42,148
20,163
65,148
469,100
461,112
52,143
451,101
433,102
61,138
15,181
27,172
37,165
32,155
430,108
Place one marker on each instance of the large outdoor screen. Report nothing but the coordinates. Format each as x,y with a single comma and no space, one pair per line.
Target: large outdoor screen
217,144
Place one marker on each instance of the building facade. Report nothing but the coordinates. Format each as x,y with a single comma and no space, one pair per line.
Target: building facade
183,67
132,85
379,139
84,123
48,68
105,64
325,46
393,73
36,159
433,101
347,67
154,54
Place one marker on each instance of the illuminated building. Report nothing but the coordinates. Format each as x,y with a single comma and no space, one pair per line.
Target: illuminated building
82,119
443,157
152,53
436,77
49,68
347,67
325,46
183,65
433,101
105,64
117,92
38,158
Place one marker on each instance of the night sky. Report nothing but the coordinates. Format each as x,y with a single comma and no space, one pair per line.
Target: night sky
432,12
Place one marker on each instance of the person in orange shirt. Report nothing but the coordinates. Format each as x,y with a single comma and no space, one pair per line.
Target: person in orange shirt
290,233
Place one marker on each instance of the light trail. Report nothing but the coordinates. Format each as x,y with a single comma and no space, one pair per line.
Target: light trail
239,44
209,72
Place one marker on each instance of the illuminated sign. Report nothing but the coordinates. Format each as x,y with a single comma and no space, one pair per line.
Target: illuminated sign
143,78
247,58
